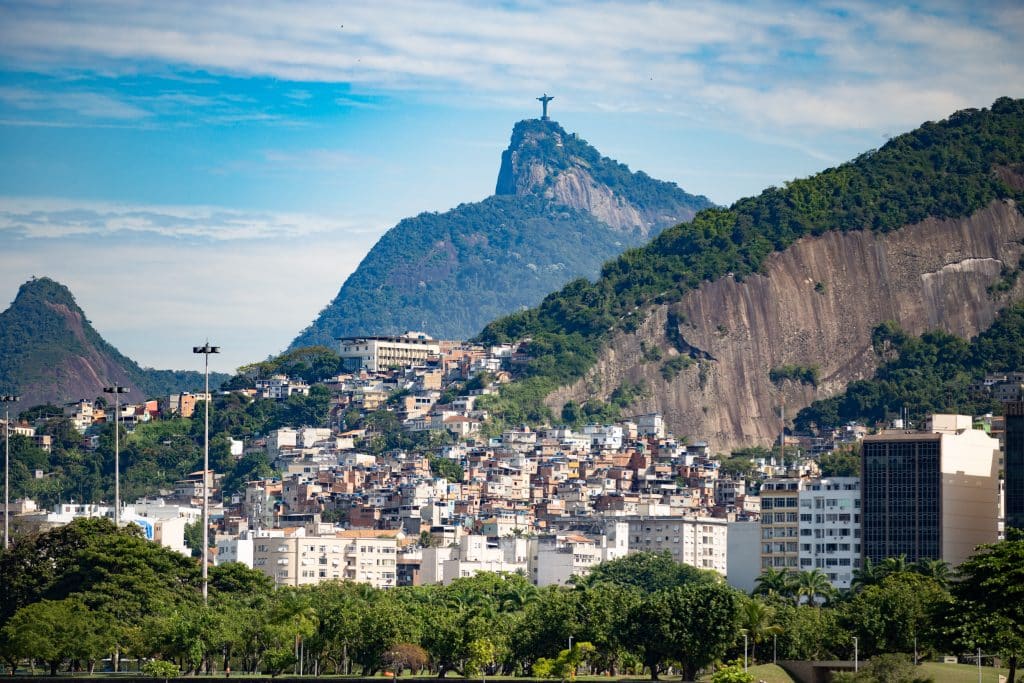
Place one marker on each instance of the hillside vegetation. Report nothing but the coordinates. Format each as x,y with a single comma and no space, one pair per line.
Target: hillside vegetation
927,374
946,169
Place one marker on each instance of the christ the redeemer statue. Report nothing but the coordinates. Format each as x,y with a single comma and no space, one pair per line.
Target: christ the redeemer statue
544,101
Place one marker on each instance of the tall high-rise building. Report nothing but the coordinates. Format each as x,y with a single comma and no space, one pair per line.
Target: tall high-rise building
830,527
1013,465
780,524
930,494
812,523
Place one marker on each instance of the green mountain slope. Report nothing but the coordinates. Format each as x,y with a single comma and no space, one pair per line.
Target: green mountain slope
50,353
927,374
560,211
946,169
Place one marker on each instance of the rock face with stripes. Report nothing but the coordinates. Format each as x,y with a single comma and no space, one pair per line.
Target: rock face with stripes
814,304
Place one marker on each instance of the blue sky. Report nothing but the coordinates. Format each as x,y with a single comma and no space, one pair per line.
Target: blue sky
197,170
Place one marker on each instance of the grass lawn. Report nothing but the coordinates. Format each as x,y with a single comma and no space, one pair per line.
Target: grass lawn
770,673
960,673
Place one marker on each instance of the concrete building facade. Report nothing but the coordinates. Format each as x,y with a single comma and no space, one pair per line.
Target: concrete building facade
375,354
830,528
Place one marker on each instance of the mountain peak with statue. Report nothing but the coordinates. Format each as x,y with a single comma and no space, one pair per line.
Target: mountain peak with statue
559,211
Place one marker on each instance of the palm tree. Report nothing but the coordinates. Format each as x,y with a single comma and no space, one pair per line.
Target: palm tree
937,570
895,565
812,584
866,575
774,583
757,622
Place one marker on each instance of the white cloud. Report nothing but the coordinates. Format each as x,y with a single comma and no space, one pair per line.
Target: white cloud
249,289
90,105
59,218
606,55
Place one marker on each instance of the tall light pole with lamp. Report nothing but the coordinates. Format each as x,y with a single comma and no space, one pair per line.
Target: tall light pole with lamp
206,350
117,391
7,399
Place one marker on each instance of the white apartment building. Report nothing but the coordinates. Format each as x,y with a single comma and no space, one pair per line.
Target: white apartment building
280,387
780,524
475,553
378,353
361,555
80,414
604,437
830,527
697,541
554,560
729,548
651,425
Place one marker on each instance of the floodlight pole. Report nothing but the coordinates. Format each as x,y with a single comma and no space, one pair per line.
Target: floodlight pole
6,399
206,350
117,391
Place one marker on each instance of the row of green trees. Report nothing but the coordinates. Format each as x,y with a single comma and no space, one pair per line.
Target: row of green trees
78,594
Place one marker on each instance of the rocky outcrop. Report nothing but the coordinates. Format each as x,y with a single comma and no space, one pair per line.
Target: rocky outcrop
543,160
813,305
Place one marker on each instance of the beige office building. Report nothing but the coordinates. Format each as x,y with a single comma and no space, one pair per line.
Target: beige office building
363,556
375,354
780,524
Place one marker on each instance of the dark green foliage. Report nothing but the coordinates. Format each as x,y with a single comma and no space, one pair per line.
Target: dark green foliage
888,668
926,374
805,374
692,624
604,412
671,368
447,468
739,466
650,353
308,363
941,169
648,572
989,601
840,463
250,468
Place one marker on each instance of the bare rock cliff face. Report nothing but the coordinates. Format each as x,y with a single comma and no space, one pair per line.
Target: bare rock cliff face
815,304
546,161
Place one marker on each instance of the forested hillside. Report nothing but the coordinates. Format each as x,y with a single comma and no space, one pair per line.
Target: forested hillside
926,374
943,169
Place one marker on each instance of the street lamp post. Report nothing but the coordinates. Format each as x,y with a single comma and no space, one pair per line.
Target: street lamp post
206,350
117,391
6,399
856,656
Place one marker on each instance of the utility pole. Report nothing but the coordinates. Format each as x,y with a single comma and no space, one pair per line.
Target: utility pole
117,391
206,350
7,399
